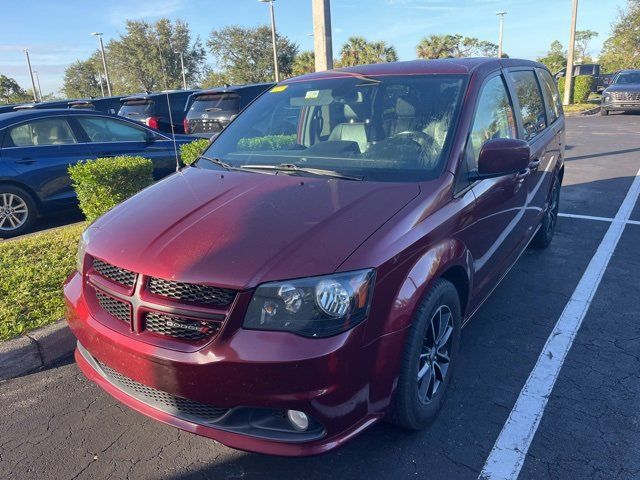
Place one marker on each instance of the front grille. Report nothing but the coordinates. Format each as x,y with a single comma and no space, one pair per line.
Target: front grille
626,96
177,406
179,327
116,274
116,308
192,293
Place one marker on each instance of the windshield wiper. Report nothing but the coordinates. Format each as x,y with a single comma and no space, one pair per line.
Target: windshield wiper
219,162
290,167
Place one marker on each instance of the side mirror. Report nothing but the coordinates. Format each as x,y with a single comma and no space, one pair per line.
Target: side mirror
502,156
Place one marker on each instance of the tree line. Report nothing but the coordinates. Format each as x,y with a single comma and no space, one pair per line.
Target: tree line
621,50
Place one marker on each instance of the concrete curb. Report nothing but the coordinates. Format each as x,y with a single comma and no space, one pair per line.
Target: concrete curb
41,348
584,113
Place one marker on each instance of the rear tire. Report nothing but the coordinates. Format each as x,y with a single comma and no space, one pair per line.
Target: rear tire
548,226
604,112
430,355
18,211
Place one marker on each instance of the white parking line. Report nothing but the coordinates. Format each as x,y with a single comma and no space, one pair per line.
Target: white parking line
509,451
599,219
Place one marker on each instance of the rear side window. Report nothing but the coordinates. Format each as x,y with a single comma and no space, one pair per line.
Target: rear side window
551,95
108,130
531,104
48,131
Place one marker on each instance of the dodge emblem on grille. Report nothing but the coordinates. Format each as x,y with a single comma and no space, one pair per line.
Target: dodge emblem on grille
187,326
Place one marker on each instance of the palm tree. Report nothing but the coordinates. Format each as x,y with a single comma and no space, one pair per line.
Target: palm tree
304,62
359,51
380,52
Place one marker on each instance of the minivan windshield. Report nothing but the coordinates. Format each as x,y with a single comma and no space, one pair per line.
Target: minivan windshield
385,128
216,103
627,78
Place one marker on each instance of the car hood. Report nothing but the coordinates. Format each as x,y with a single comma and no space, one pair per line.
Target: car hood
237,229
632,87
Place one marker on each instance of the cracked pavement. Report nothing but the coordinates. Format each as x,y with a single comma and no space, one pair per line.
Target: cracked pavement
57,425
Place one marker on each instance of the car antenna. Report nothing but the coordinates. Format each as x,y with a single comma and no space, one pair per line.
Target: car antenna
166,91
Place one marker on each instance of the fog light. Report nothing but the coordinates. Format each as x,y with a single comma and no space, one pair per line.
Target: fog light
298,419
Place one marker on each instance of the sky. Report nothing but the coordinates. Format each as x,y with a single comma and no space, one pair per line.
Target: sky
58,32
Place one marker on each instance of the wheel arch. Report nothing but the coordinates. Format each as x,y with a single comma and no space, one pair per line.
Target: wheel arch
26,188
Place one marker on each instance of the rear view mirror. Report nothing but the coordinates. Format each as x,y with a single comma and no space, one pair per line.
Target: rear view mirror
502,156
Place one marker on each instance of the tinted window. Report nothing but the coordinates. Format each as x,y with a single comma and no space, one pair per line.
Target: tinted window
387,128
493,119
108,130
551,96
531,104
48,131
216,103
627,78
137,108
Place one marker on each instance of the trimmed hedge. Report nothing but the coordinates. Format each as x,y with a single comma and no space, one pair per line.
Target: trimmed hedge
583,85
103,183
268,142
32,270
189,152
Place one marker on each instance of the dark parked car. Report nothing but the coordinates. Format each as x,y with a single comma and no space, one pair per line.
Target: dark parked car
311,273
102,104
623,95
37,147
7,108
43,105
157,110
590,69
209,111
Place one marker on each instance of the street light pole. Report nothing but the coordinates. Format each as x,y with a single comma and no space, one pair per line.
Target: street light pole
273,38
501,15
568,83
39,87
184,78
322,40
33,83
104,60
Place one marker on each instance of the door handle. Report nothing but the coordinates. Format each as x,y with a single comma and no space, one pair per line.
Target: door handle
25,161
522,174
534,164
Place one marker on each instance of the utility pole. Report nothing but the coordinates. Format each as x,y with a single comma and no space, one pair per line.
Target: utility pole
38,81
33,83
568,83
104,60
184,78
501,15
273,38
322,41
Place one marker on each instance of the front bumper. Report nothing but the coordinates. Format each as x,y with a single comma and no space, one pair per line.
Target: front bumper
330,379
620,105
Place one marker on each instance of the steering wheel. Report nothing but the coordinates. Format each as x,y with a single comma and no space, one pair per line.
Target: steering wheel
421,138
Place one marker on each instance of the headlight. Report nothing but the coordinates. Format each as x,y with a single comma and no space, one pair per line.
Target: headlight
312,307
606,97
82,249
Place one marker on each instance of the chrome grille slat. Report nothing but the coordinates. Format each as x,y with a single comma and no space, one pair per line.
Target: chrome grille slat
116,308
191,293
113,273
626,96
167,402
170,325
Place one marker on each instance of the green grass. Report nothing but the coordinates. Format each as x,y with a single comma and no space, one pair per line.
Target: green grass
578,107
32,270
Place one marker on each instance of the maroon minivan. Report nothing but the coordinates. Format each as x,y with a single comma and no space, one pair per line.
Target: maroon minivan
311,273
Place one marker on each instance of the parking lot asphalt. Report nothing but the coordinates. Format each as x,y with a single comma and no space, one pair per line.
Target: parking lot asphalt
57,425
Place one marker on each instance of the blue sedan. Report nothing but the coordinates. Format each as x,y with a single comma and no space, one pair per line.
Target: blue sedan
37,147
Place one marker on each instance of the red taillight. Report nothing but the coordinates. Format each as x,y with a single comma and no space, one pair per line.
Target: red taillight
152,122
185,124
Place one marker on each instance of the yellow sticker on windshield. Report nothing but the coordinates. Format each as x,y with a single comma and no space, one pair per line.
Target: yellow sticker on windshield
312,94
278,88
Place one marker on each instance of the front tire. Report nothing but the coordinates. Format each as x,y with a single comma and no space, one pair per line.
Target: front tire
604,112
18,211
548,226
430,356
